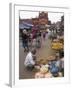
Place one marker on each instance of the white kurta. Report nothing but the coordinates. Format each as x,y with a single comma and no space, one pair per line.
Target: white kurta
29,60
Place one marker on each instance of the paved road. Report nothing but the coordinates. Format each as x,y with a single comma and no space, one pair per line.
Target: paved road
42,53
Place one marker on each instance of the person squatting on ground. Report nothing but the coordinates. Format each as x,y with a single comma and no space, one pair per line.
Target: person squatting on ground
60,64
57,66
30,60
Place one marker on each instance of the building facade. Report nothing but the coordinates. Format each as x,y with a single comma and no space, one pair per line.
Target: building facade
40,21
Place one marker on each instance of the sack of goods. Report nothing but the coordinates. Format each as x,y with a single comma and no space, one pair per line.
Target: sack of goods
44,69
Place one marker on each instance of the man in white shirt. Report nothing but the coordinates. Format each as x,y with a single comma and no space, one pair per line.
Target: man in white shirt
29,60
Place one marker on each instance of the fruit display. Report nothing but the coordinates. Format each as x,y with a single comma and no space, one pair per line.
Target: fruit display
43,73
57,45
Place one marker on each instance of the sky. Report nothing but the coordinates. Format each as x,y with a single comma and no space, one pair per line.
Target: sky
54,17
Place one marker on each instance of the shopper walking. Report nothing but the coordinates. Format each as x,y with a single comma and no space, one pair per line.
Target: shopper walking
25,40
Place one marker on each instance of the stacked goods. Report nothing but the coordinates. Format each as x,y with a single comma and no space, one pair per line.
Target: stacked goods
57,45
43,72
43,69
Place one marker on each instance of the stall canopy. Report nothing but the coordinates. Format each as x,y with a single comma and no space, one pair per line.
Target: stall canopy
22,26
25,25
28,24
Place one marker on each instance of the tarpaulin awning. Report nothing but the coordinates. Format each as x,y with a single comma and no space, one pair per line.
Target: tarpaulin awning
28,24
25,25
22,26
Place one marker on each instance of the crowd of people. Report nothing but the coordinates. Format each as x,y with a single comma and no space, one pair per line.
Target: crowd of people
55,67
32,39
31,42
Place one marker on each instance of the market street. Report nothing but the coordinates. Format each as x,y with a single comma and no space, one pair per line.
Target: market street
42,53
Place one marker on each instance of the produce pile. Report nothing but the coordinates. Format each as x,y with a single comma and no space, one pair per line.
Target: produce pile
43,72
48,68
57,45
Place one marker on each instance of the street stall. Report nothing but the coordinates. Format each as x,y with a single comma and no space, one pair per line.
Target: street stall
61,39
43,71
50,67
43,68
28,27
25,26
58,45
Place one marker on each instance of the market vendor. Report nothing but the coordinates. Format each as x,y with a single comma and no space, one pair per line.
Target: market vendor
58,61
30,59
54,69
60,65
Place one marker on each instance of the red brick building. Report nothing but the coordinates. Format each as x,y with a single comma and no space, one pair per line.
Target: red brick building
41,20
